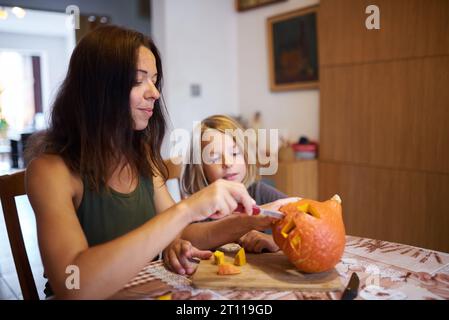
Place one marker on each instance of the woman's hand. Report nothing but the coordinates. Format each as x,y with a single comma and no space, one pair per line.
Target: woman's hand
256,241
179,254
218,200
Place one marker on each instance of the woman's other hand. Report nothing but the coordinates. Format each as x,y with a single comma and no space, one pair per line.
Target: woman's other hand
180,254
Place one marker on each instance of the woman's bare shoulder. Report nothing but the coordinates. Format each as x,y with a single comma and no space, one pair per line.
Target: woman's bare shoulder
47,162
51,169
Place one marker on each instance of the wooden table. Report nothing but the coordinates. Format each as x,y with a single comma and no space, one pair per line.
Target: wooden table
386,271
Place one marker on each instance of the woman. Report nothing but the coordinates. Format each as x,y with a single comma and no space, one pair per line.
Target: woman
98,180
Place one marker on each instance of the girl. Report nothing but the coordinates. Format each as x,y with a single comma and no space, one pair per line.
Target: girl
97,184
227,157
224,155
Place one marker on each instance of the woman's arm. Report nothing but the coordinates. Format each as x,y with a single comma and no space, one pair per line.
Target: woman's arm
207,234
162,198
178,253
105,268
212,234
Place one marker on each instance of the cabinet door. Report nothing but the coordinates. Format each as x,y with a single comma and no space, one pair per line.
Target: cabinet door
298,178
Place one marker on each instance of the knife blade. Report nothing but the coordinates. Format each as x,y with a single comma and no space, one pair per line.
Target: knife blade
258,210
271,213
352,288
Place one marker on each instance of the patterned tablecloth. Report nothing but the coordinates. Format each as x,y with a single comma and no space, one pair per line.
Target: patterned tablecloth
386,270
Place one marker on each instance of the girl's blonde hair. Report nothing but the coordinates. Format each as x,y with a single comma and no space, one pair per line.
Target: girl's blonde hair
193,178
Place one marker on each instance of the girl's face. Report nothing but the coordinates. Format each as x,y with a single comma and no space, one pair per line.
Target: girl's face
144,93
222,158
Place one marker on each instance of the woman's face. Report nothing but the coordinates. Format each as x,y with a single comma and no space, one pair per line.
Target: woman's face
222,158
144,93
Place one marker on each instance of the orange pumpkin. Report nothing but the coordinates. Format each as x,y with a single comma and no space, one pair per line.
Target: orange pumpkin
312,234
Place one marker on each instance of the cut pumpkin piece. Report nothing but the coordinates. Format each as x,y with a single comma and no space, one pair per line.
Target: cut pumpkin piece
167,296
309,209
225,269
288,227
218,257
303,207
240,258
295,241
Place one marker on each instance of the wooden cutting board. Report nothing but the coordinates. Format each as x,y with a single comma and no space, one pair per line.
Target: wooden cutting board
265,271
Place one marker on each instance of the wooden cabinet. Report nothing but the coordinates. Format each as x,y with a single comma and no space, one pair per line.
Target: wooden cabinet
408,29
384,138
402,206
297,178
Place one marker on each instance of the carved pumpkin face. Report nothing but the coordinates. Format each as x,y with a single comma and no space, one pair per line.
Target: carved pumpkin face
312,234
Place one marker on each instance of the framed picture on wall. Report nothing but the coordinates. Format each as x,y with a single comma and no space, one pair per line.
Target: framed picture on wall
243,5
293,50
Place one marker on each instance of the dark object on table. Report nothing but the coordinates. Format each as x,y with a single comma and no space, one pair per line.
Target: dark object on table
352,288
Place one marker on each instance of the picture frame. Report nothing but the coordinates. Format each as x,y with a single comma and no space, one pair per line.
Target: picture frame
243,5
292,40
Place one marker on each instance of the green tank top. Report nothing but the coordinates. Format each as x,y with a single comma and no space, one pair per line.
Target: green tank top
107,215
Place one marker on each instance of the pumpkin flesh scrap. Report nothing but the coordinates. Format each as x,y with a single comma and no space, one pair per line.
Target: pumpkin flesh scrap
289,226
218,257
225,269
240,258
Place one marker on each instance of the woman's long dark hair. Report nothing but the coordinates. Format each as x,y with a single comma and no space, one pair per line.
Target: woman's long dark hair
91,124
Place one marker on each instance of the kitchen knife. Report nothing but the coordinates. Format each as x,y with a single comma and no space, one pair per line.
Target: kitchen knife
352,288
258,210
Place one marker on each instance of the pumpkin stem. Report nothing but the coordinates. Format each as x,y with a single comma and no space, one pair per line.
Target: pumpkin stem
336,198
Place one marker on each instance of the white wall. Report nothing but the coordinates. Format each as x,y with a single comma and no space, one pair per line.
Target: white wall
296,112
209,43
54,59
43,34
198,44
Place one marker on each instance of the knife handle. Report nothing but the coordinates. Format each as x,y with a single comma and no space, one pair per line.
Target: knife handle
241,209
